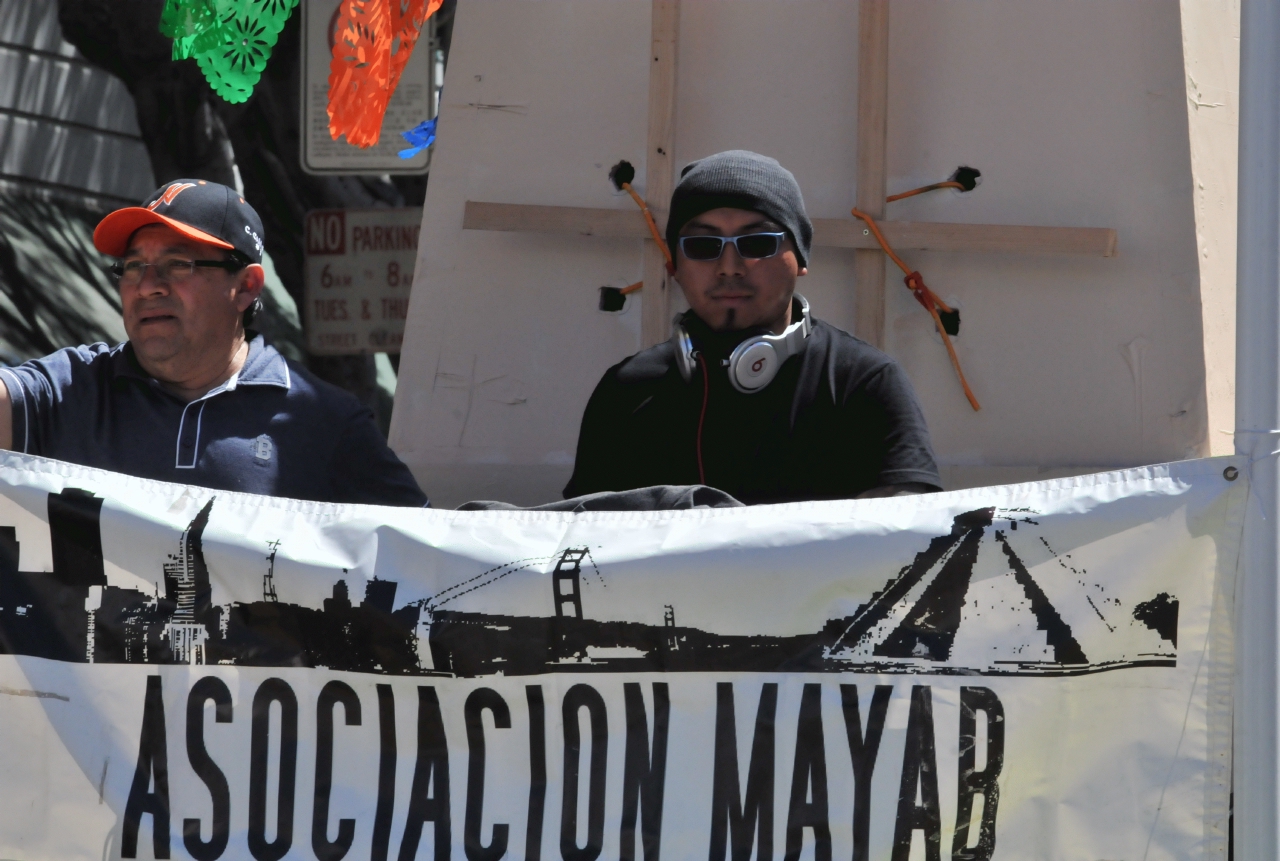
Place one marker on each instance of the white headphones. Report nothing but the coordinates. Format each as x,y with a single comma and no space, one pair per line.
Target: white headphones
755,362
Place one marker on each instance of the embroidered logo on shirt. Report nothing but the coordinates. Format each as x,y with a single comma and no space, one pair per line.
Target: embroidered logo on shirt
262,447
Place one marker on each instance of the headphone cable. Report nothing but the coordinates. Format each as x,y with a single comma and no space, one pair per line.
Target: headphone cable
702,417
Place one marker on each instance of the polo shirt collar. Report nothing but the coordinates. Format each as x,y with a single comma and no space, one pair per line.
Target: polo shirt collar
264,366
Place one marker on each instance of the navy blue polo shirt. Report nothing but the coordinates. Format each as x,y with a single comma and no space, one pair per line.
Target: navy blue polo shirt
272,429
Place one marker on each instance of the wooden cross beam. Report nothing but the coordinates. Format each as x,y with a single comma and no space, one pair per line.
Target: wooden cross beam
660,166
869,260
871,166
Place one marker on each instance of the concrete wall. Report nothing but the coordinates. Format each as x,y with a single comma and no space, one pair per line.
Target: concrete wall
1076,113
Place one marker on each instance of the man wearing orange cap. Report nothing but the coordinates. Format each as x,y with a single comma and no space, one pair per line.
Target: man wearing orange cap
193,396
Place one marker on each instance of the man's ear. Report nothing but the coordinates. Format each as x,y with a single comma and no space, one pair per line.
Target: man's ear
249,286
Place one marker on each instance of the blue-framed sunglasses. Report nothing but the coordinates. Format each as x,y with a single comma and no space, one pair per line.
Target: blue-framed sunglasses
752,246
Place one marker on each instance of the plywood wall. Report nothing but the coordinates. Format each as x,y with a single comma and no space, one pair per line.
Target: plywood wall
1076,113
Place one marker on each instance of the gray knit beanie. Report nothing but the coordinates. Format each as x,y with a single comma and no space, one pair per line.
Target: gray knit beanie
741,180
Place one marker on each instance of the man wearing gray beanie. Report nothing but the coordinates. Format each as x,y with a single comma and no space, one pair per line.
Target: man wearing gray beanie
752,395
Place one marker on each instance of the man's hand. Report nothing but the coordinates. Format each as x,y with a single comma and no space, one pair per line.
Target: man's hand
6,418
910,488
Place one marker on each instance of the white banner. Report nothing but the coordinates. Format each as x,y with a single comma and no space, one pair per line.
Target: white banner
1038,671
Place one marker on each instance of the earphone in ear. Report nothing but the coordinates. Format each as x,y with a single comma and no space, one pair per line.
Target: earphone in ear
755,362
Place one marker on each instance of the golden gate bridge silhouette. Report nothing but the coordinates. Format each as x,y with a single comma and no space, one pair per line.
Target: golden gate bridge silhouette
966,604
992,596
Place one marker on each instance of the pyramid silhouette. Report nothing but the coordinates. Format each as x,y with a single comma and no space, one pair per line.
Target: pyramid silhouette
970,602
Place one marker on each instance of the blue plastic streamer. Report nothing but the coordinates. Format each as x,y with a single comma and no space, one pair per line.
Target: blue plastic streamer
420,137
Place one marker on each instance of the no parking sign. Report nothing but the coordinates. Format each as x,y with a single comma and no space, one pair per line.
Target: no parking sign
358,272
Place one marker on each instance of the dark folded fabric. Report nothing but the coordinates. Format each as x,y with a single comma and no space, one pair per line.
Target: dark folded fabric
665,497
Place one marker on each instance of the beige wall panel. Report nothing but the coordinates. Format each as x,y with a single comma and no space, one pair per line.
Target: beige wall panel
504,339
1076,113
1211,47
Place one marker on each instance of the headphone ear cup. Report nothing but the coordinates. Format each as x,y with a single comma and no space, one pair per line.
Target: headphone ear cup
683,344
753,365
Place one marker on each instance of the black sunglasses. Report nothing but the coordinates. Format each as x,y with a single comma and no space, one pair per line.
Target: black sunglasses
752,246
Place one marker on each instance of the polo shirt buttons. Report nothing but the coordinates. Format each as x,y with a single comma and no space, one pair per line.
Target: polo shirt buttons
189,433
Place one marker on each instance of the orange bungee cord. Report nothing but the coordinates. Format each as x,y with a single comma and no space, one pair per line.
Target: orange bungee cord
964,179
927,298
922,189
653,226
621,175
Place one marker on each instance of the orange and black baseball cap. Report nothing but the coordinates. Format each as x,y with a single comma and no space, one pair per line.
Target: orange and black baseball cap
198,209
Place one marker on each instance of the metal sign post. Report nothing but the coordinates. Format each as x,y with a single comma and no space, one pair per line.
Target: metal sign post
1257,707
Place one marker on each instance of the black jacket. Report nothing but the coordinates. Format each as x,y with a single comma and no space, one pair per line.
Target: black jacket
840,418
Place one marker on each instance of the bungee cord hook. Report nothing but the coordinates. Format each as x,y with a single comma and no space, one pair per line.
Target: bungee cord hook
964,179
